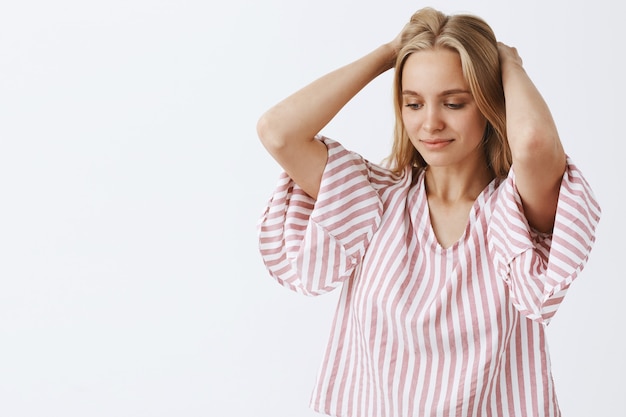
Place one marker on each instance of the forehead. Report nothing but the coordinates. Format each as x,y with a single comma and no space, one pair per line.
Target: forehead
433,71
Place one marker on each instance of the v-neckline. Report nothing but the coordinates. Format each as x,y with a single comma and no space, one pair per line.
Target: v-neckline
429,231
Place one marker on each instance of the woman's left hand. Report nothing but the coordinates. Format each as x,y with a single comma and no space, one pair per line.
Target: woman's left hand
509,55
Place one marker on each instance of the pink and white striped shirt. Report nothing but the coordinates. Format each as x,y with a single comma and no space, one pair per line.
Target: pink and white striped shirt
422,330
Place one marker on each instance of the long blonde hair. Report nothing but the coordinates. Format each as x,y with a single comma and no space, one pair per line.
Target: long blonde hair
476,44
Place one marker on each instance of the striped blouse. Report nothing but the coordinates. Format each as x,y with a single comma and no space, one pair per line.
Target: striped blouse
422,330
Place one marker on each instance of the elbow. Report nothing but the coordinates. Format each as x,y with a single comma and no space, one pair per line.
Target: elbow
535,145
262,128
268,132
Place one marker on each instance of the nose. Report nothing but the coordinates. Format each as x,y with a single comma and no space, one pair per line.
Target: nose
433,121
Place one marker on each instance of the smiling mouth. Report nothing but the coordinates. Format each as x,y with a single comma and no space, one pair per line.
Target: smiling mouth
434,144
435,141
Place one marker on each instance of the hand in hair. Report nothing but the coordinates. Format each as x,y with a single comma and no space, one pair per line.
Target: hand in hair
509,55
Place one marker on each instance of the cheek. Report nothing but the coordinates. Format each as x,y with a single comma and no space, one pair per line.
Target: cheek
404,117
475,125
481,125
409,121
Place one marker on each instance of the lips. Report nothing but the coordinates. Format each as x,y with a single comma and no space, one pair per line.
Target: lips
436,143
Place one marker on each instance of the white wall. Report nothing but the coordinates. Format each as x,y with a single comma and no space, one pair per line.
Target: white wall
131,180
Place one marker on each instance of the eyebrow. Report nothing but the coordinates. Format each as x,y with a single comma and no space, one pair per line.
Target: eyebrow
443,93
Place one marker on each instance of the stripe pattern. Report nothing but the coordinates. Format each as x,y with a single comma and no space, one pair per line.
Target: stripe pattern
422,330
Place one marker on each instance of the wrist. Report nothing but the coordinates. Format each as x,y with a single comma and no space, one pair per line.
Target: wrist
389,54
511,69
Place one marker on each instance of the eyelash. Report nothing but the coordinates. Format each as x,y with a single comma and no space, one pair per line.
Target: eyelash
451,106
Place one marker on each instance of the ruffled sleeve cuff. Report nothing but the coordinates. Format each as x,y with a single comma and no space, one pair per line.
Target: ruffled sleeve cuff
539,267
311,246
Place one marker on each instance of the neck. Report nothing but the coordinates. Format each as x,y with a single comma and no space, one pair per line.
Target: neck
455,184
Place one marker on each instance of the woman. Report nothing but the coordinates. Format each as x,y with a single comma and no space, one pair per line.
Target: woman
455,255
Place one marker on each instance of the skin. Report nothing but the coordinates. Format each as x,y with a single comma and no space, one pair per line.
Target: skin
457,173
445,125
538,156
287,130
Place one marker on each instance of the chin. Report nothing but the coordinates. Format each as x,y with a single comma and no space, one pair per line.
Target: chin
437,161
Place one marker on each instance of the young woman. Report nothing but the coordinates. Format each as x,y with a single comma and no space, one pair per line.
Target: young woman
452,257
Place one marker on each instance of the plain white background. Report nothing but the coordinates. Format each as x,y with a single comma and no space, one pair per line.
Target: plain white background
131,181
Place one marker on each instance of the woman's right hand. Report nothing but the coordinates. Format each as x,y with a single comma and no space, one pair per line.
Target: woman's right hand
405,35
400,40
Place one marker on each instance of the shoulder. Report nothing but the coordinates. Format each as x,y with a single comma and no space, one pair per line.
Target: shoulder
342,162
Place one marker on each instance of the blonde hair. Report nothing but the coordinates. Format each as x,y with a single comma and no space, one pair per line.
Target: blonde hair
476,45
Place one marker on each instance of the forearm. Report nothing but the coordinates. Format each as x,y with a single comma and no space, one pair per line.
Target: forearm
538,156
302,115
531,130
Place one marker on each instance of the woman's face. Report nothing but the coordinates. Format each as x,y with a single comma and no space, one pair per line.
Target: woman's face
438,111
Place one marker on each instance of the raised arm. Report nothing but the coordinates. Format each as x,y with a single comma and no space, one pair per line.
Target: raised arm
287,130
538,155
